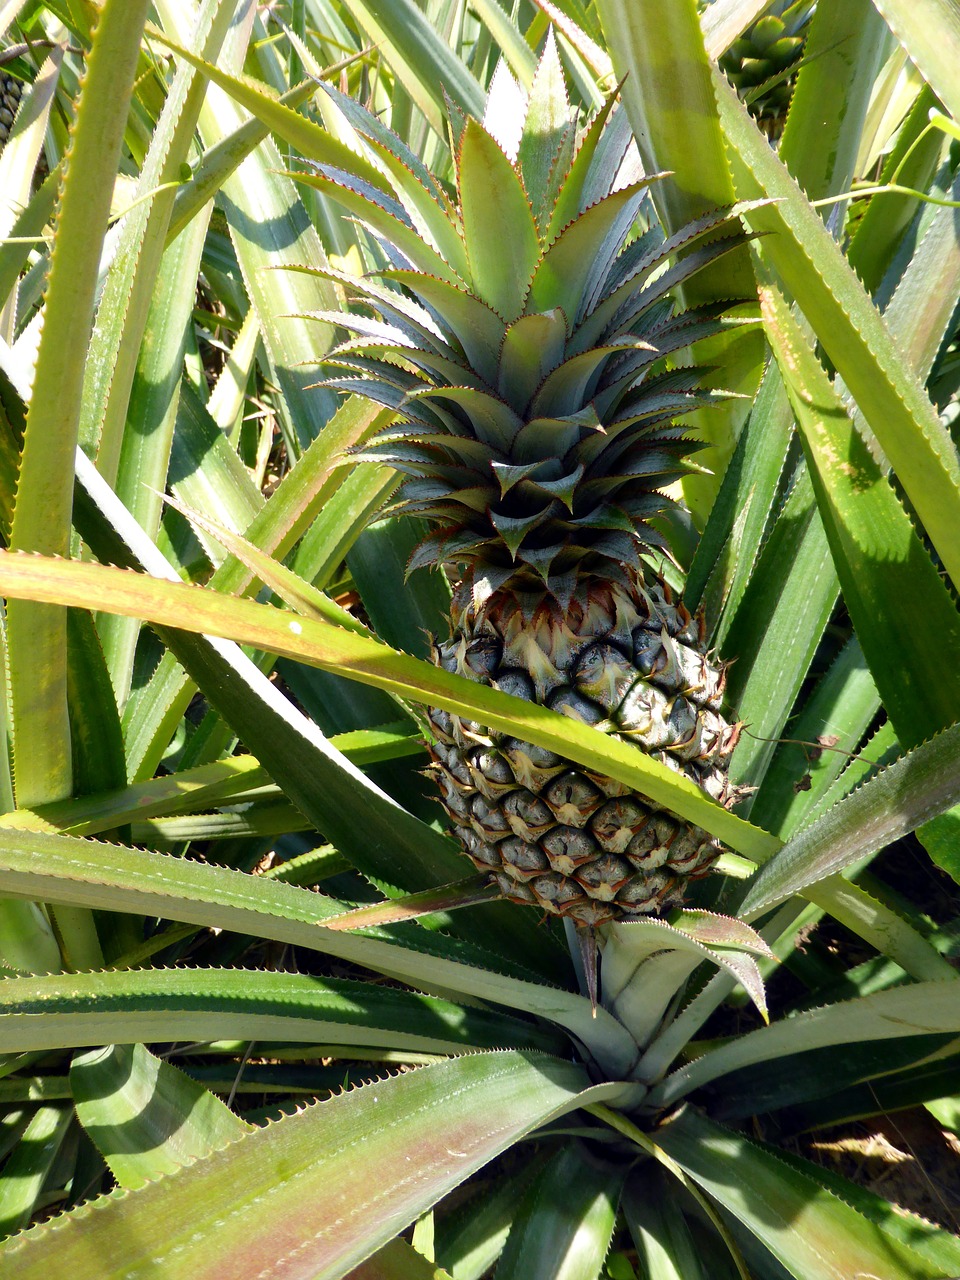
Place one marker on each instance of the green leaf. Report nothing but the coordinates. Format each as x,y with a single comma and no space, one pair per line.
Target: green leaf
398,1261
27,941
920,313
425,65
478,329
852,333
299,594
426,204
96,737
659,55
922,784
842,707
813,1234
917,1009
660,1232
67,1011
532,346
739,518
724,20
880,926
150,400
134,275
146,1118
375,211
818,1085
646,962
841,57
545,129
776,628
199,1223
312,141
929,30
509,40
28,1166
206,473
908,1229
404,613
221,159
29,227
18,161
469,1240
582,252
269,228
294,509
879,232
565,1225
393,845
498,224
941,839
41,521
905,618
86,873
329,647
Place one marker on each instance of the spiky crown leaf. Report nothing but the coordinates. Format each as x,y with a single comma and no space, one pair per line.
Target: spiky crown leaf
519,332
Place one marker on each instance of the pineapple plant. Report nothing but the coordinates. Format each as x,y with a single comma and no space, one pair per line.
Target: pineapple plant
212,890
520,332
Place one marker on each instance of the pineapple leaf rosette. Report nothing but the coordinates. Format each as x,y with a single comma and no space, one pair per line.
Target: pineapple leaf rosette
521,331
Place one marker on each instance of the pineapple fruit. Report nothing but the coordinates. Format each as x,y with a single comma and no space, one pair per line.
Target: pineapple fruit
11,91
769,51
520,332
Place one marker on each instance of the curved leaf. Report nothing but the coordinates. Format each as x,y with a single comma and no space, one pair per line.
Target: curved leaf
266,1205
565,1225
323,645
239,1004
918,787
813,1233
145,1117
498,224
851,330
85,873
918,1009
38,674
905,618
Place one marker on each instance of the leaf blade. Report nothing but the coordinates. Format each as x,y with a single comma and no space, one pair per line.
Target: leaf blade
455,1116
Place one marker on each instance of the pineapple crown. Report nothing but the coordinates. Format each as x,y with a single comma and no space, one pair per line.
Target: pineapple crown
519,331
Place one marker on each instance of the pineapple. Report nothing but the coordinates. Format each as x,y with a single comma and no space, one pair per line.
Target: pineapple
519,332
11,91
769,51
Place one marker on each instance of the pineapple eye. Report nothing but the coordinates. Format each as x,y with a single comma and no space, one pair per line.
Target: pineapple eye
482,658
516,683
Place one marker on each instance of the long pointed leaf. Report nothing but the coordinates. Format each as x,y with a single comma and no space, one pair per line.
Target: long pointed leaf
145,1116
918,1009
814,1234
852,333
85,873
423,1132
564,1228
888,580
904,796
237,1004
930,32
323,645
45,488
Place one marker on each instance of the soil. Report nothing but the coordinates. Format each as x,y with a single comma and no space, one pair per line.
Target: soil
906,1158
